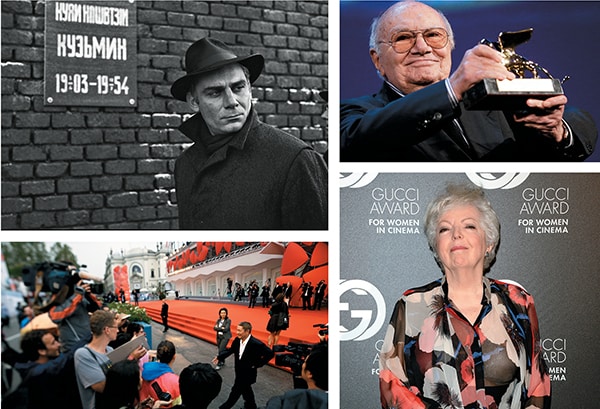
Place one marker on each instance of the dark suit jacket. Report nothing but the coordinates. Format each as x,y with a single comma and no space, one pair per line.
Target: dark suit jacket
255,355
388,127
225,329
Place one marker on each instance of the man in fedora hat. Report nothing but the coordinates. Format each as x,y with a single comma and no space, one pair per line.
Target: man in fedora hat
241,174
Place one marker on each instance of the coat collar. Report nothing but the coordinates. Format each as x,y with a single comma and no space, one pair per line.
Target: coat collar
389,93
195,128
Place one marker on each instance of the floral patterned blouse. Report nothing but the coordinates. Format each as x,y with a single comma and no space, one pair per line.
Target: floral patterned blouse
432,357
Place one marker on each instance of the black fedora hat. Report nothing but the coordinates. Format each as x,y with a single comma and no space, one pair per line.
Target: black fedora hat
209,54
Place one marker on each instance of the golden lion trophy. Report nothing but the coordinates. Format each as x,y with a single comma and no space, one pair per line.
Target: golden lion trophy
510,95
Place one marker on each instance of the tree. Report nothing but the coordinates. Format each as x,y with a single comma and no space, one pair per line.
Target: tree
20,254
161,291
63,252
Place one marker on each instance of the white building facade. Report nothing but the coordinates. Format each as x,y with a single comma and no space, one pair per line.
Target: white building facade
242,263
250,262
145,268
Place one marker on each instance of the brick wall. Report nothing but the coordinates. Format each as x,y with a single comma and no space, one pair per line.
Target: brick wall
112,168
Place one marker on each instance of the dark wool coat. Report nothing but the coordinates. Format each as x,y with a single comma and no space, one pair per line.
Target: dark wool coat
262,179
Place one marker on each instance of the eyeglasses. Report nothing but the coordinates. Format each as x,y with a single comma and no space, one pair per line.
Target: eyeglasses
403,41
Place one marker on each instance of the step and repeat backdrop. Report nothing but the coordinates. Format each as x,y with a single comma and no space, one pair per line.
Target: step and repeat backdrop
549,244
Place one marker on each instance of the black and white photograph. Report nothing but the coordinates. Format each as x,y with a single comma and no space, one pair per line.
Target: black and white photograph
157,115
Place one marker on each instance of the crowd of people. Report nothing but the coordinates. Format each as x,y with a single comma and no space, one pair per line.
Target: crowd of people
74,364
312,296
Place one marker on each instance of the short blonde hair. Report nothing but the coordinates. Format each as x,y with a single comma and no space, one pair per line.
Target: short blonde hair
462,195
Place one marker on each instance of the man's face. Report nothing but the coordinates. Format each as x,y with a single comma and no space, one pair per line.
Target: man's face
325,117
242,333
420,66
113,330
306,375
223,98
52,346
28,311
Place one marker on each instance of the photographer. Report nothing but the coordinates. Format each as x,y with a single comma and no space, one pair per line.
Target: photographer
315,372
71,302
72,315
294,355
319,295
265,293
307,293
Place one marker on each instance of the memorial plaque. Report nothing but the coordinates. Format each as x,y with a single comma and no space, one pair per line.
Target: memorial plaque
90,53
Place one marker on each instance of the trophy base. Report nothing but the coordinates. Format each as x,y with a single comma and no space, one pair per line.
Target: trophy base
509,95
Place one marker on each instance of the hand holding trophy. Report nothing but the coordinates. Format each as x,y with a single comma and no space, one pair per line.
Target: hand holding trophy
511,95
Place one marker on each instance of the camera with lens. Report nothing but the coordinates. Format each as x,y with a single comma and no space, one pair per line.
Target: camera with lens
49,276
292,356
95,288
324,329
57,279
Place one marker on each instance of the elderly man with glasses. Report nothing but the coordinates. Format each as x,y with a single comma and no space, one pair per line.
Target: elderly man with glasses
418,114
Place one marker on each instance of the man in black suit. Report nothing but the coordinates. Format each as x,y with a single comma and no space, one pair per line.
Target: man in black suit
276,290
250,354
307,292
319,294
164,313
418,115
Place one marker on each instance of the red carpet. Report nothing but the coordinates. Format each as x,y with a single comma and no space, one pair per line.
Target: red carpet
197,318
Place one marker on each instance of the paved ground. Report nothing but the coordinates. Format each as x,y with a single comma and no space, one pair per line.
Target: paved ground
271,381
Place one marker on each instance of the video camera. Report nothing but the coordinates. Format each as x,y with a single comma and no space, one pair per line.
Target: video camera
324,329
95,288
294,354
52,276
